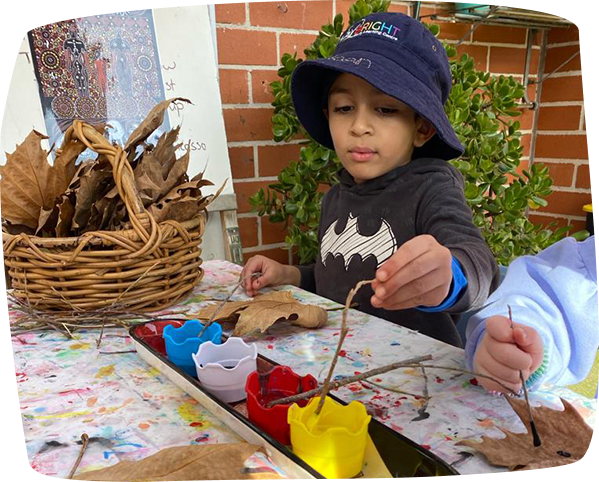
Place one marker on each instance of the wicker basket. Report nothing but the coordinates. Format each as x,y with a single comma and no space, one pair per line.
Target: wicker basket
146,268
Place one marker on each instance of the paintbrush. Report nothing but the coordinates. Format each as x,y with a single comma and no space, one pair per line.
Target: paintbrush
536,440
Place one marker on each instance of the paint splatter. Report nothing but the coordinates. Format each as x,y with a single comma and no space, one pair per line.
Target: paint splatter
91,401
395,343
191,415
144,426
105,371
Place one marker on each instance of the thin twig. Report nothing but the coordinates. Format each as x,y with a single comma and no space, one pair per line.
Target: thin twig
257,274
116,352
338,308
391,389
410,362
84,440
343,334
101,333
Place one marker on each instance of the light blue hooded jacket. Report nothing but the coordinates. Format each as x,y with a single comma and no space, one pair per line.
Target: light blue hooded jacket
554,292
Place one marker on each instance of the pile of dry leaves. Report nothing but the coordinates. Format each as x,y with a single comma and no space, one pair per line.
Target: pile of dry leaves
68,199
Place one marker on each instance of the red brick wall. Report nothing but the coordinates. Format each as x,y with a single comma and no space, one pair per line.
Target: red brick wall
252,37
561,141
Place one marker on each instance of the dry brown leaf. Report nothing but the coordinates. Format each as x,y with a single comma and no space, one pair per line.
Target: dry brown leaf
91,186
166,149
66,213
264,310
150,123
30,184
193,462
564,435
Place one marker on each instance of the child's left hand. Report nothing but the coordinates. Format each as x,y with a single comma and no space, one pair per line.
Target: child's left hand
418,274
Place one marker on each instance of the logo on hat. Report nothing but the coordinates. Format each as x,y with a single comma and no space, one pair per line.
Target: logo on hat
374,28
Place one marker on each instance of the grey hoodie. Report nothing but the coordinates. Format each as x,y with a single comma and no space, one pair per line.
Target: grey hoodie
362,225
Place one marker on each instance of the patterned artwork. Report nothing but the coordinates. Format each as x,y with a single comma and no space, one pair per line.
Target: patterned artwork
103,68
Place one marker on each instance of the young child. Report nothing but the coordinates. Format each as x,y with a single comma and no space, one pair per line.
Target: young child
399,212
553,297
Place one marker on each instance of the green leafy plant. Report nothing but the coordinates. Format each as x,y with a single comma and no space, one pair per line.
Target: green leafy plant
482,109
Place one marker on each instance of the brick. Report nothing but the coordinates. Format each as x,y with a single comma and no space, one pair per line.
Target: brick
272,233
478,52
297,15
230,13
569,203
343,8
233,86
278,254
248,124
566,118
505,60
558,55
295,42
392,8
561,89
560,35
453,31
577,225
248,230
246,47
545,221
500,34
245,190
261,80
242,162
583,177
525,143
562,174
562,147
273,159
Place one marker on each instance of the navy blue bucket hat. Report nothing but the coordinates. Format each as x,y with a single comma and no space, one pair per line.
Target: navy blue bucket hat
396,54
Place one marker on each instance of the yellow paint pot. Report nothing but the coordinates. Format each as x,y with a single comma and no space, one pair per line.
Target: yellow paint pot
333,443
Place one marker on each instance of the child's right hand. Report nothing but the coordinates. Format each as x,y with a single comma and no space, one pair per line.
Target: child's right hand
504,352
273,274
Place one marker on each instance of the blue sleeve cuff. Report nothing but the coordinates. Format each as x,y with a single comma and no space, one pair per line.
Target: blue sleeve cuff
458,284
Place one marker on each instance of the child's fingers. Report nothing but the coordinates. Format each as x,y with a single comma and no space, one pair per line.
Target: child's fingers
509,355
528,339
414,279
499,328
397,301
406,253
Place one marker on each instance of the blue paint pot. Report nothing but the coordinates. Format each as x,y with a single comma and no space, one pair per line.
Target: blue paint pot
182,342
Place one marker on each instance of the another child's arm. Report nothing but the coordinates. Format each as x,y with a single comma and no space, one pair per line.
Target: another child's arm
554,293
272,272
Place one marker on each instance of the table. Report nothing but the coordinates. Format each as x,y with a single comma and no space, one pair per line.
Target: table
130,410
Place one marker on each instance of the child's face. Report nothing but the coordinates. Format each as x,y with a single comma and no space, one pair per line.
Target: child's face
373,133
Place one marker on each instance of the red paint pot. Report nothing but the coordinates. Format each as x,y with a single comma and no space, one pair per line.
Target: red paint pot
280,382
151,333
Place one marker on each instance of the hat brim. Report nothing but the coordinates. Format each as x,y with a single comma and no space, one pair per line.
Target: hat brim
312,77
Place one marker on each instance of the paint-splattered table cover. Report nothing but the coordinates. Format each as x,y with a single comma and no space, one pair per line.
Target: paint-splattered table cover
130,411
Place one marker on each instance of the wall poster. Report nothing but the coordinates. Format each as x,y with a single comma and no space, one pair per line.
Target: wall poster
101,69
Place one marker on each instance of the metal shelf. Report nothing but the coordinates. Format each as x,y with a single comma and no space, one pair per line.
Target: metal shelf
498,15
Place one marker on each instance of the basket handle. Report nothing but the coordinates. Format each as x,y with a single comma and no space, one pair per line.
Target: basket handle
124,180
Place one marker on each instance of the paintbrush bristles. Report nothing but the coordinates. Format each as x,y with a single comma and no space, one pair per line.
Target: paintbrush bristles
536,440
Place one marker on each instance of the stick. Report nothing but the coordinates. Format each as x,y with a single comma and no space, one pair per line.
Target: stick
85,440
257,274
344,330
536,440
410,362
